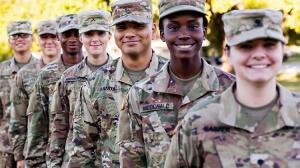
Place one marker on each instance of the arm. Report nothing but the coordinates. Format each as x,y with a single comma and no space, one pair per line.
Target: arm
85,133
130,138
60,110
184,150
38,127
18,120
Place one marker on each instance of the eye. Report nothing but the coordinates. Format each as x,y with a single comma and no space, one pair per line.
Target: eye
194,27
172,27
270,44
246,46
139,26
121,27
88,34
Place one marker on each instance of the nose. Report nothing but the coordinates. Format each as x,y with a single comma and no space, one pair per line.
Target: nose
259,53
184,34
130,33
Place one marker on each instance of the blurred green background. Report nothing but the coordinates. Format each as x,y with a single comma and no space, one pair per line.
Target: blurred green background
36,10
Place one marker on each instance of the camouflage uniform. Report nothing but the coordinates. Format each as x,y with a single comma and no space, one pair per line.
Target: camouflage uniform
25,80
97,114
39,116
8,71
214,134
152,110
66,93
219,132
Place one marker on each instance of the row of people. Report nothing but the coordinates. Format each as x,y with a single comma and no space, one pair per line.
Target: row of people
141,110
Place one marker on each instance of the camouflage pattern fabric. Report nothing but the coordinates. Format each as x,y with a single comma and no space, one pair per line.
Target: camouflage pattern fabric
152,110
47,27
97,112
8,70
168,7
139,11
17,27
39,118
215,134
67,22
21,92
62,107
94,20
252,24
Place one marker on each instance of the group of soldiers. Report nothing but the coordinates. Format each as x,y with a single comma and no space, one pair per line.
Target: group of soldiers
142,110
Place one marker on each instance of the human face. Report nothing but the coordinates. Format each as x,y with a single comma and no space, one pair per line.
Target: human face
256,61
95,42
70,42
134,39
21,42
49,45
183,34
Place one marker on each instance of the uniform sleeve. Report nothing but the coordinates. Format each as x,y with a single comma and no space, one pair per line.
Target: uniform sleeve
130,139
38,125
184,150
85,134
18,120
60,110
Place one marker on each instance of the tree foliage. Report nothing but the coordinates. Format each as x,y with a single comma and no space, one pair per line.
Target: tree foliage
36,10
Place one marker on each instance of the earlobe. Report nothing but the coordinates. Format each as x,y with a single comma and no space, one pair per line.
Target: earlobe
153,31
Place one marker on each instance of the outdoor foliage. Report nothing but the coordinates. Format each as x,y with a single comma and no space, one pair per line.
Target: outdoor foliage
36,10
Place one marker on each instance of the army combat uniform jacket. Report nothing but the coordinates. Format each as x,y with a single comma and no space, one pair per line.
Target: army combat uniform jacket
62,107
96,118
8,71
21,92
38,111
152,110
217,134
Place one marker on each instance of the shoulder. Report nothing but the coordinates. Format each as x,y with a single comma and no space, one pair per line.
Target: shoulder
203,112
5,63
225,79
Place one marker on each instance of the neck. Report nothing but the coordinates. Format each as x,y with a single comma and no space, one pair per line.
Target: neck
186,68
97,60
48,59
72,59
22,57
141,63
255,95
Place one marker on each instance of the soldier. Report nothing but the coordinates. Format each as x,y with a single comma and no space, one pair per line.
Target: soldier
155,106
255,122
50,47
94,34
20,40
97,111
38,110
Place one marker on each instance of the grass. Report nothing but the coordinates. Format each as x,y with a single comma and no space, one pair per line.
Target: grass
294,58
290,80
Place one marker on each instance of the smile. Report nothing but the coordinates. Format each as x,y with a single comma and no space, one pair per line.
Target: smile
185,46
261,66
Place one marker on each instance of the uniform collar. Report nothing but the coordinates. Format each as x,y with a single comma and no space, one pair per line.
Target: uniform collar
208,81
82,70
285,110
122,76
14,67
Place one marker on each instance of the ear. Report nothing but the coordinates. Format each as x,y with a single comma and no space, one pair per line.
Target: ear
80,37
162,35
204,33
153,31
226,51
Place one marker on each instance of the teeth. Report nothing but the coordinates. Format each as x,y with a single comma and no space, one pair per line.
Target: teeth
258,66
184,46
